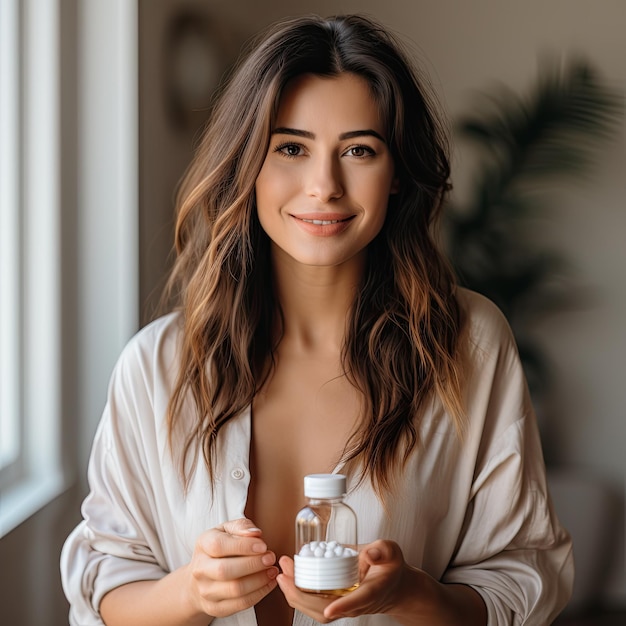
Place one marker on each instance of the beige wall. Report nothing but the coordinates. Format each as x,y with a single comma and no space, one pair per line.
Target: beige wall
466,46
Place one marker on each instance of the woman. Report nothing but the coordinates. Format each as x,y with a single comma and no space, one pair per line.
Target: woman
318,330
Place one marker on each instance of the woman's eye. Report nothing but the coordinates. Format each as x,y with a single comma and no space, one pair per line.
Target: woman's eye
360,151
289,149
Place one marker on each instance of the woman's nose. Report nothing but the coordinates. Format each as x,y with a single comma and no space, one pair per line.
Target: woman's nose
324,180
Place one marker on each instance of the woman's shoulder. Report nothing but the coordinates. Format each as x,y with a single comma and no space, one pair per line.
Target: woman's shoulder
165,327
154,345
486,324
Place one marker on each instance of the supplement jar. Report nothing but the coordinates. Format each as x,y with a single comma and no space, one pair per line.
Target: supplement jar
326,559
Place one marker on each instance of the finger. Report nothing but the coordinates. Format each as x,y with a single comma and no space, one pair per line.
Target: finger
228,605
231,589
355,603
286,566
233,567
311,604
380,559
241,526
351,605
364,565
218,542
380,552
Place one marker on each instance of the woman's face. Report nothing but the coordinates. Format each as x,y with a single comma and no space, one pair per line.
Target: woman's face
323,190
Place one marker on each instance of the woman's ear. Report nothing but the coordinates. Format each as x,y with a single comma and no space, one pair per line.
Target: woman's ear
395,186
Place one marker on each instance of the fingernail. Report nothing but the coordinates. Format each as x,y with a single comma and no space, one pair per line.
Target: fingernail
253,530
268,559
259,547
272,572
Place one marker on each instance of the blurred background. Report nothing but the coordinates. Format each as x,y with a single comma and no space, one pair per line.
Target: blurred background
100,104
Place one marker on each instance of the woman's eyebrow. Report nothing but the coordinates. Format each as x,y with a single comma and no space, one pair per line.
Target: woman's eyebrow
369,132
293,131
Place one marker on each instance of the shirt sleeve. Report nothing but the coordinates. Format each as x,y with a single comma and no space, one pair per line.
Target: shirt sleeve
512,549
116,543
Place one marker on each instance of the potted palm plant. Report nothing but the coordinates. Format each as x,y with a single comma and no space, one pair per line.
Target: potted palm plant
524,146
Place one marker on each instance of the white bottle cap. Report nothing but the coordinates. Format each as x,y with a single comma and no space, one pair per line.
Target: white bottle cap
324,485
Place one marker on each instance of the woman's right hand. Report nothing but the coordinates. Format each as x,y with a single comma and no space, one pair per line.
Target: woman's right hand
231,569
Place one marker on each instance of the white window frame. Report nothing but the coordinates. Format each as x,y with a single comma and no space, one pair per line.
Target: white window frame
9,236
103,293
31,329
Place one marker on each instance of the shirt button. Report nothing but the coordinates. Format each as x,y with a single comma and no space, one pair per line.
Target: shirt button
237,473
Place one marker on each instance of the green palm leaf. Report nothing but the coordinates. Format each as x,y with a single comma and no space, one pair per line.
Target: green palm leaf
525,145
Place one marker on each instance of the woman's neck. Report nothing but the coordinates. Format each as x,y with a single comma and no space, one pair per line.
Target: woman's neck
315,302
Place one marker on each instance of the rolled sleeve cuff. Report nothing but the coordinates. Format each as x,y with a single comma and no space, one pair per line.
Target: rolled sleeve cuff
88,575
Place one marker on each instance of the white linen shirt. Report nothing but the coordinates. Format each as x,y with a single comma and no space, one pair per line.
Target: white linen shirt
474,510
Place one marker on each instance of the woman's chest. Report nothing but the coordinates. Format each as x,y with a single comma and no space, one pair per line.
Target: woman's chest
265,453
301,424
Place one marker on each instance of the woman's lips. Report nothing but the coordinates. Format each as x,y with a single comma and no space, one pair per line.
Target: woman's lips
320,222
323,224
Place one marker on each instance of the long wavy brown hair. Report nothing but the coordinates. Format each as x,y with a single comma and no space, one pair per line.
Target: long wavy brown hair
403,343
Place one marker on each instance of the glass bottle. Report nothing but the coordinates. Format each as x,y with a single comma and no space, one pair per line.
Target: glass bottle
326,559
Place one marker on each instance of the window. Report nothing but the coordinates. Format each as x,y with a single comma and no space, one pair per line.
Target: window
9,236
30,427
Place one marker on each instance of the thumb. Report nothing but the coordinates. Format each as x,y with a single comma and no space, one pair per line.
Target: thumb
381,551
374,555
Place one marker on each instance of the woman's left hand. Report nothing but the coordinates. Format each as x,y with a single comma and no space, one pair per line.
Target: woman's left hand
383,575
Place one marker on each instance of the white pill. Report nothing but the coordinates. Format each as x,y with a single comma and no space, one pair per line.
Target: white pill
319,551
332,545
323,545
306,551
329,554
313,544
338,551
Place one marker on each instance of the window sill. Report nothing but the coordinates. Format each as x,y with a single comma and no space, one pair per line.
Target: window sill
26,497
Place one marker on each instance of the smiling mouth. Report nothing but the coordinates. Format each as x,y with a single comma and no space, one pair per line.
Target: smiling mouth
324,222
